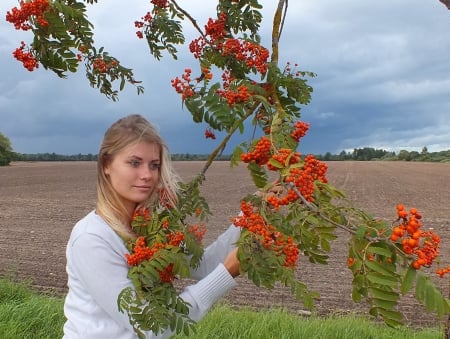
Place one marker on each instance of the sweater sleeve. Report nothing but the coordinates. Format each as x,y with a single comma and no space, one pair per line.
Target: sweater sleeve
103,272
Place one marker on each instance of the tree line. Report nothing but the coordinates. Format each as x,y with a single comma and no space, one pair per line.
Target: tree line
7,155
372,154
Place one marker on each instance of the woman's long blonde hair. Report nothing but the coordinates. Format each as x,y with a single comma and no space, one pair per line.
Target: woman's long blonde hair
124,132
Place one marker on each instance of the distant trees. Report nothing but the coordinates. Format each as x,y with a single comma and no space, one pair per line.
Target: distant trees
6,152
371,154
358,154
55,157
368,153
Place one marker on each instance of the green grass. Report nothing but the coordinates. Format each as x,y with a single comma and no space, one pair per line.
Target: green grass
25,314
226,322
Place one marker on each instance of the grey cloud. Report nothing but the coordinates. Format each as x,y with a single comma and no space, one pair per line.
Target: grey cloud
382,79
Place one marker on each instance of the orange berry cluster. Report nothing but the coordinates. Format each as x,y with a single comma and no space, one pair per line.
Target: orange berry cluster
196,47
160,3
209,134
183,86
350,261
140,217
300,129
26,58
175,238
239,94
423,245
442,271
166,275
251,55
142,252
146,19
260,154
20,17
282,156
100,65
255,56
235,96
267,235
198,231
215,30
302,178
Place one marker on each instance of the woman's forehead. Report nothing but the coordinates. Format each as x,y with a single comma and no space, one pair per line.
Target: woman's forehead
142,149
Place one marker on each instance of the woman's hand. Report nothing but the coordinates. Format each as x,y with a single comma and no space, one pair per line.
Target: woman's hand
232,264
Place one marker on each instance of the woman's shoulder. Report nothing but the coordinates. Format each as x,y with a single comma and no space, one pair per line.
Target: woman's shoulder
92,225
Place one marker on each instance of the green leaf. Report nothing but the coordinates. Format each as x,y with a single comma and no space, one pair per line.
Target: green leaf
275,163
258,175
356,296
408,280
379,268
360,232
384,304
382,294
380,251
440,304
391,317
186,329
420,286
382,280
430,297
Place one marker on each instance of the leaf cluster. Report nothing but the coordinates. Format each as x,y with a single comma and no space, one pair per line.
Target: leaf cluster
68,29
153,304
164,31
382,273
157,312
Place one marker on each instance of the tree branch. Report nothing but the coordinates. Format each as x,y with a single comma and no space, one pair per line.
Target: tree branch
446,3
187,15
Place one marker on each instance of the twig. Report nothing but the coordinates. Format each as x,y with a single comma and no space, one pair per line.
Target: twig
225,140
191,19
316,210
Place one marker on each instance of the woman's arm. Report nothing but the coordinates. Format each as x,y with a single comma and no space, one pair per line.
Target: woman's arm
217,252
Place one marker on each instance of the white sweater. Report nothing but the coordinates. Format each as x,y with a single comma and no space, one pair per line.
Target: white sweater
97,272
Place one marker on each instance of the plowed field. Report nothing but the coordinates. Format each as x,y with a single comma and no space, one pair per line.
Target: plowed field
41,201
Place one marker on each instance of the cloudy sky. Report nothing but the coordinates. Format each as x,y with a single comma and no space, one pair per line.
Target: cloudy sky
383,79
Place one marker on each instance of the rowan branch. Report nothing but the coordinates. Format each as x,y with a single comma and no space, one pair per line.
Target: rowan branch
187,15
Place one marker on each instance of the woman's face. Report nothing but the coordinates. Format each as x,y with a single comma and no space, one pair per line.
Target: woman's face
134,173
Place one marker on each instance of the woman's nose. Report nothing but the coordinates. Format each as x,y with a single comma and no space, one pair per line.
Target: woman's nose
146,173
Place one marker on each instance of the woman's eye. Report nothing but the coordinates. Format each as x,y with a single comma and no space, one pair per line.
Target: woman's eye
155,166
134,163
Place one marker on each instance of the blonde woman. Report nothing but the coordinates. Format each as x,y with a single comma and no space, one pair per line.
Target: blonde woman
133,166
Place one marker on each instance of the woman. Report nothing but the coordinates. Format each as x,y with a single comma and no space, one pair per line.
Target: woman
133,166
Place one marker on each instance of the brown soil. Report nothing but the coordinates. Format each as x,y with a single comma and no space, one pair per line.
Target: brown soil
40,202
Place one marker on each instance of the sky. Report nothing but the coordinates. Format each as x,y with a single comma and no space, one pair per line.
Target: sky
382,79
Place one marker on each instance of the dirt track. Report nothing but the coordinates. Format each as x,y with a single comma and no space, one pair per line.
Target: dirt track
40,202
